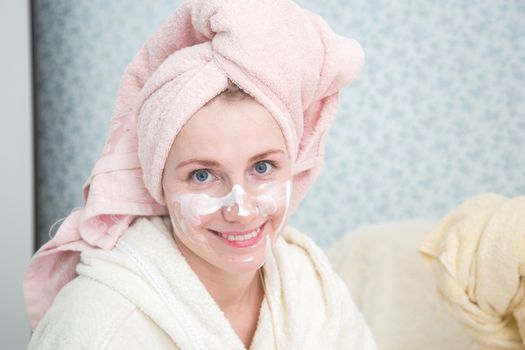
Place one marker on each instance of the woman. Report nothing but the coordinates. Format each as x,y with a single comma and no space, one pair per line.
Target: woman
182,237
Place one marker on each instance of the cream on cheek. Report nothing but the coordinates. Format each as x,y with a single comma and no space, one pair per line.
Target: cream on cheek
236,227
265,191
263,201
267,201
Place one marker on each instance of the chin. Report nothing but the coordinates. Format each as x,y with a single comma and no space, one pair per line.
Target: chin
238,265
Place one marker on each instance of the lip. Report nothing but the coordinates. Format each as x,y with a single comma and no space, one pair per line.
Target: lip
242,244
236,233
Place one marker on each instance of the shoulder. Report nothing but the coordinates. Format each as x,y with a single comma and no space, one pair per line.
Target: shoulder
84,314
89,312
88,315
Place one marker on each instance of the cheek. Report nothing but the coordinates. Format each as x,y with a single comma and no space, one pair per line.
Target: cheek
186,223
276,220
178,221
208,220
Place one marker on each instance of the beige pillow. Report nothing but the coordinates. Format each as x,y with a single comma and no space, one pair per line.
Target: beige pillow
394,289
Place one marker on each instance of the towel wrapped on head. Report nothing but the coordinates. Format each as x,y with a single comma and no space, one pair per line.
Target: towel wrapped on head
477,256
286,57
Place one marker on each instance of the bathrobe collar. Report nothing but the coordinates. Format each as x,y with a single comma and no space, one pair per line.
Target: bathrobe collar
148,269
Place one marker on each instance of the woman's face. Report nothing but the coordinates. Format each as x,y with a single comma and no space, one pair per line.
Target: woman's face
230,150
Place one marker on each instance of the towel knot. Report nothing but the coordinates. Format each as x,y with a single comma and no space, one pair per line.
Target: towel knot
477,256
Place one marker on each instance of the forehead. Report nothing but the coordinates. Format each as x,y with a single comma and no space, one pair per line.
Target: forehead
228,127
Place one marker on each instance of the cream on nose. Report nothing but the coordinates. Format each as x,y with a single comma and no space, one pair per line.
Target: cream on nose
240,206
245,205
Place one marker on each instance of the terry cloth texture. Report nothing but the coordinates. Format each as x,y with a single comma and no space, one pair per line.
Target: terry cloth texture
143,294
286,57
477,256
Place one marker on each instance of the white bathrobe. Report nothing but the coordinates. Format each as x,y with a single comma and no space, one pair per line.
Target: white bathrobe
143,295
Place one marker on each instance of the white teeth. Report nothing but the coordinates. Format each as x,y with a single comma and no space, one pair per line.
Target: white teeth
238,238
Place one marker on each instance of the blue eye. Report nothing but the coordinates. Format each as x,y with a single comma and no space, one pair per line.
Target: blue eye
263,167
200,175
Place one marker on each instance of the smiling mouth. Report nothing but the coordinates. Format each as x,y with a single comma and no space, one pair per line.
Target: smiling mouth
239,236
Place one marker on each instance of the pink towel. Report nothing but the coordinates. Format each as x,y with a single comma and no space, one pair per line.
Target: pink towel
286,57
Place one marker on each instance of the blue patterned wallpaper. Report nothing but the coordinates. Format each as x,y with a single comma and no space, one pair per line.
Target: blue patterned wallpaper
437,115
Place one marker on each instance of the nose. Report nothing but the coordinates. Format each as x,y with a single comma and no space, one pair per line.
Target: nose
242,210
232,215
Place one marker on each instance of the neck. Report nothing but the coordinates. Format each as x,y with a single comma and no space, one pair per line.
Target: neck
230,290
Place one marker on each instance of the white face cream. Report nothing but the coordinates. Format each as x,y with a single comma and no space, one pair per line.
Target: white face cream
227,185
264,201
193,213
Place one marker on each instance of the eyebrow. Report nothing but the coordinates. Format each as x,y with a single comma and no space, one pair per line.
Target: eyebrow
211,163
